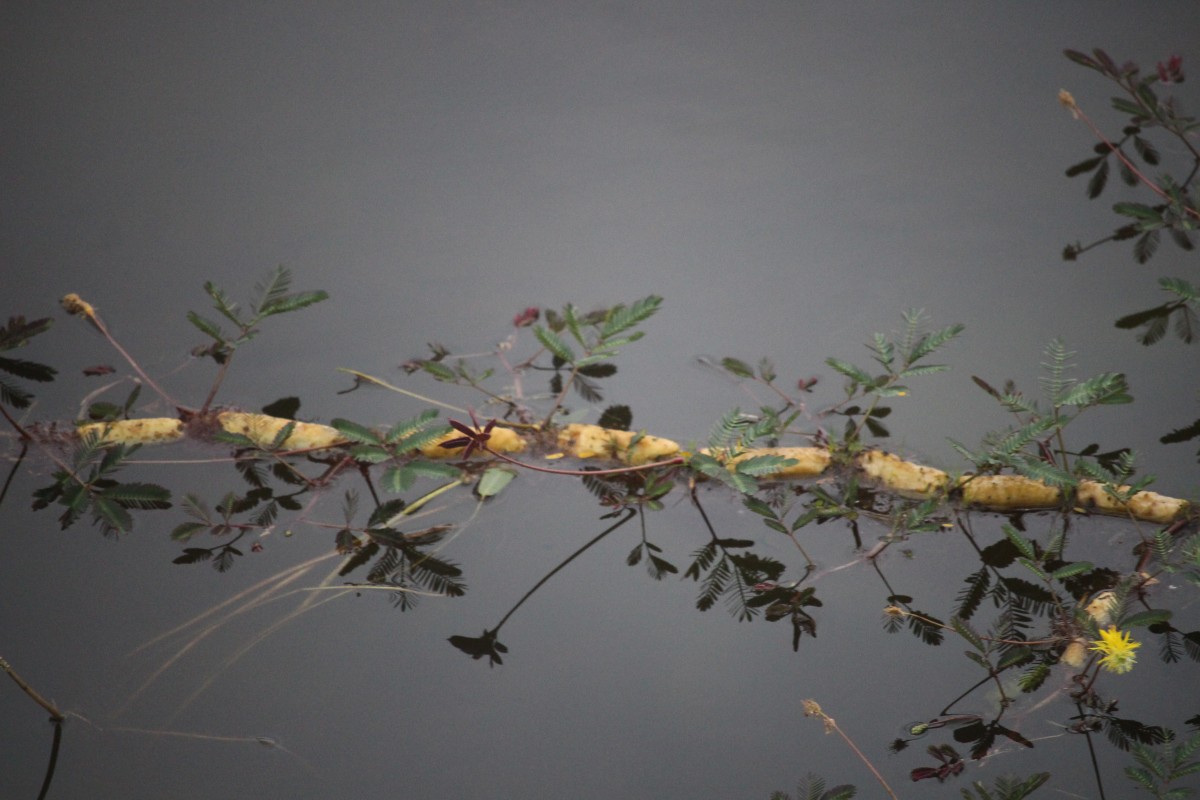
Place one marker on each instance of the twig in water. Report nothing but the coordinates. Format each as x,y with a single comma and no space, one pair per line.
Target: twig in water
811,709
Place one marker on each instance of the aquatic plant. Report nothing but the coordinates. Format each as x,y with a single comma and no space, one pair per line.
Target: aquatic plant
837,473
1038,610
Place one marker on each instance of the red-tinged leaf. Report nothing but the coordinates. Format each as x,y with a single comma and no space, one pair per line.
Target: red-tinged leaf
1127,175
1146,150
1098,181
1087,165
1081,59
1144,248
1016,737
461,428
1105,61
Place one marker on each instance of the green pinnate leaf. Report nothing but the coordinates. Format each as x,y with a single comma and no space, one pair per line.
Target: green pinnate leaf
934,341
850,371
1023,545
1071,570
207,327
963,629
1109,388
1146,618
554,344
294,302
186,530
407,426
111,515
146,496
737,367
1139,211
764,465
355,432
621,318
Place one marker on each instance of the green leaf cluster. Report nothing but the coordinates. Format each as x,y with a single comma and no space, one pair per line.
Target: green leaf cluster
597,336
1007,788
271,297
725,574
88,487
1155,321
13,335
1177,209
812,787
220,524
733,434
1168,763
1036,447
395,447
580,347
899,358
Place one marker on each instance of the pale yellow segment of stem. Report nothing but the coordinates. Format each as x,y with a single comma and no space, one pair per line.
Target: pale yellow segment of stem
905,478
902,477
262,430
1076,653
1150,506
1008,492
592,441
810,461
1101,607
134,431
502,440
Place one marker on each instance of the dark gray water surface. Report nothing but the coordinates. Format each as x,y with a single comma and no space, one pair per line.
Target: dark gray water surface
789,176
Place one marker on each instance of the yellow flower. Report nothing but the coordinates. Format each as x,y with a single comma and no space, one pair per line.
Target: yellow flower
1117,648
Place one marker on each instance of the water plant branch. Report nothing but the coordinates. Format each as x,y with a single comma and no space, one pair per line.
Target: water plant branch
55,714
629,514
812,709
1092,753
363,377
74,304
896,611
1068,101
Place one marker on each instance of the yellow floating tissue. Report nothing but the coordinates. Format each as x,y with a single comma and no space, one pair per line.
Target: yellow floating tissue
1076,653
1150,506
890,472
502,440
1101,607
592,441
1008,492
134,431
810,461
262,430
902,477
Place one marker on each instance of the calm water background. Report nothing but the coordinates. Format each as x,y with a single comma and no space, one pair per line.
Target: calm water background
789,176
